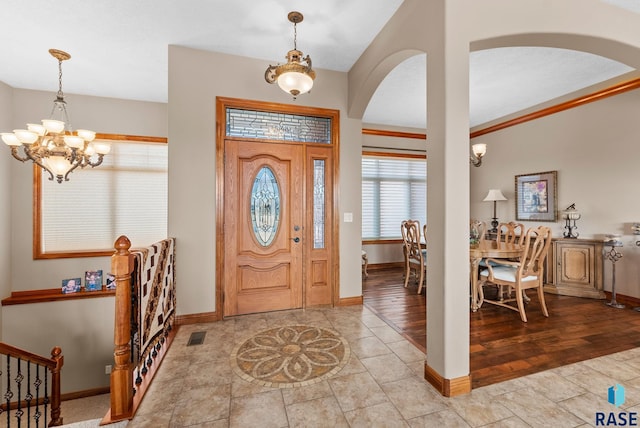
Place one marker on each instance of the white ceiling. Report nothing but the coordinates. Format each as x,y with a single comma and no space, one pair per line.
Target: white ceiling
119,49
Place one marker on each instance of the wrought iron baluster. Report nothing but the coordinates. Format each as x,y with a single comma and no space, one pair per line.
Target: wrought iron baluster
46,394
134,312
28,397
18,380
1,410
37,384
138,377
8,394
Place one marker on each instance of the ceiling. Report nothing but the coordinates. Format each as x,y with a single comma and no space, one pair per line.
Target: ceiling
119,49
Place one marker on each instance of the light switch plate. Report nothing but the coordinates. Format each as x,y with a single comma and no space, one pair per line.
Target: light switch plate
348,217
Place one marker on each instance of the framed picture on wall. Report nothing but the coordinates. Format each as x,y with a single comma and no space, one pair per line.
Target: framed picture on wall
536,196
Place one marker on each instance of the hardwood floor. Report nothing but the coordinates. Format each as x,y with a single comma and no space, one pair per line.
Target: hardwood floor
502,347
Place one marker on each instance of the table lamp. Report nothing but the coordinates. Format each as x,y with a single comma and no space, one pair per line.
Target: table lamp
494,195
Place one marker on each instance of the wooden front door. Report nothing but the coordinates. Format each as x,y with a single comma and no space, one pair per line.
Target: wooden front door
263,226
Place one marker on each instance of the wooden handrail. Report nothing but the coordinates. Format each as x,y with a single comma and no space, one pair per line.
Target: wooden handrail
53,364
14,352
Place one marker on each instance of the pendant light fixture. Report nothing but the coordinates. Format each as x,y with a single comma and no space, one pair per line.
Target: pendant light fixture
296,76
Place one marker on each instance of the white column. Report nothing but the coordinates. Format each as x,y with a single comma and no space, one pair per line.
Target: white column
447,365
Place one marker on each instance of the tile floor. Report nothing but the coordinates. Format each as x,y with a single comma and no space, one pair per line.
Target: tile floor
381,386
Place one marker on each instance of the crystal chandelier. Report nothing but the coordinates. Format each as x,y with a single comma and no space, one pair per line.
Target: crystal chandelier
296,76
53,145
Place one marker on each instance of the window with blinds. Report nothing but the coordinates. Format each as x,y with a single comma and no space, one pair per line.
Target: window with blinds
126,195
393,189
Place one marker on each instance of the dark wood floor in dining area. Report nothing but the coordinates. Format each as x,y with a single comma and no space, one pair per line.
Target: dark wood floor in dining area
502,347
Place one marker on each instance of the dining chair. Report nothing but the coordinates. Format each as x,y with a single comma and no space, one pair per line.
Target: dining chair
414,253
512,233
365,264
477,233
405,245
526,273
424,238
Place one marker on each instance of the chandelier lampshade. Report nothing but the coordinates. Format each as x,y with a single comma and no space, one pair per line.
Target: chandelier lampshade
52,144
296,76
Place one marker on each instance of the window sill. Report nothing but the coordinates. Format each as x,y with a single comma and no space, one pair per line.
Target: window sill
381,241
52,295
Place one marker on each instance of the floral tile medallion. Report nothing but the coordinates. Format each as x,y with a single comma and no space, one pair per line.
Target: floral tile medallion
291,356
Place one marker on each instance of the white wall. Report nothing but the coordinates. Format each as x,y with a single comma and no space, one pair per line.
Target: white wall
6,98
195,79
594,148
82,328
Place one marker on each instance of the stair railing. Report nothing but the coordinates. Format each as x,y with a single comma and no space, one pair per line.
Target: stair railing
25,379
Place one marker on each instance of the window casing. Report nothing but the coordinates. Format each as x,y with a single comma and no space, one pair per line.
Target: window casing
394,188
126,195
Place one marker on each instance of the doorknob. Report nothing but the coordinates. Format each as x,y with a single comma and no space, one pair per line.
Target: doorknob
296,239
296,228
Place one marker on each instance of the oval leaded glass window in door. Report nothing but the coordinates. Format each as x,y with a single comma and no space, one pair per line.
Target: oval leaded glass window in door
265,206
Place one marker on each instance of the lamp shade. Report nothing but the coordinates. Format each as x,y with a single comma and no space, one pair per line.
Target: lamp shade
295,82
494,195
58,165
10,139
479,150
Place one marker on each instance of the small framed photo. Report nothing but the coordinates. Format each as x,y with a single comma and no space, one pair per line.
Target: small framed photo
71,285
93,280
111,281
536,196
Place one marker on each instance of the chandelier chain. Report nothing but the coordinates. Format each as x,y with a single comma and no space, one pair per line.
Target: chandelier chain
295,36
60,93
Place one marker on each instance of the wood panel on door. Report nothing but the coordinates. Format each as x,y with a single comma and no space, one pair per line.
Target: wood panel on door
263,266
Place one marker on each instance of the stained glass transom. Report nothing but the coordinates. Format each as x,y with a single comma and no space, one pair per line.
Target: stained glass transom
278,126
265,206
318,203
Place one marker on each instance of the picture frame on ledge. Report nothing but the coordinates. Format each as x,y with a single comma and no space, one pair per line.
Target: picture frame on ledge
537,196
71,285
93,280
111,281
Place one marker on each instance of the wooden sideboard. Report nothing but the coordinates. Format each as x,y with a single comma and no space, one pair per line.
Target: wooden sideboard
574,268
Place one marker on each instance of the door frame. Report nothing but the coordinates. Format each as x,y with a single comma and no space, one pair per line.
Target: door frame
222,103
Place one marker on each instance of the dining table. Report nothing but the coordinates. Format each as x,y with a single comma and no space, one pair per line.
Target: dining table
483,249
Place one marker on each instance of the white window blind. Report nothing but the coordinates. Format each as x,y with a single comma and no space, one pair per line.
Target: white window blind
393,190
126,195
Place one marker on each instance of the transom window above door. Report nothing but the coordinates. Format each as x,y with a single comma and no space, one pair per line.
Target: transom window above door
277,126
